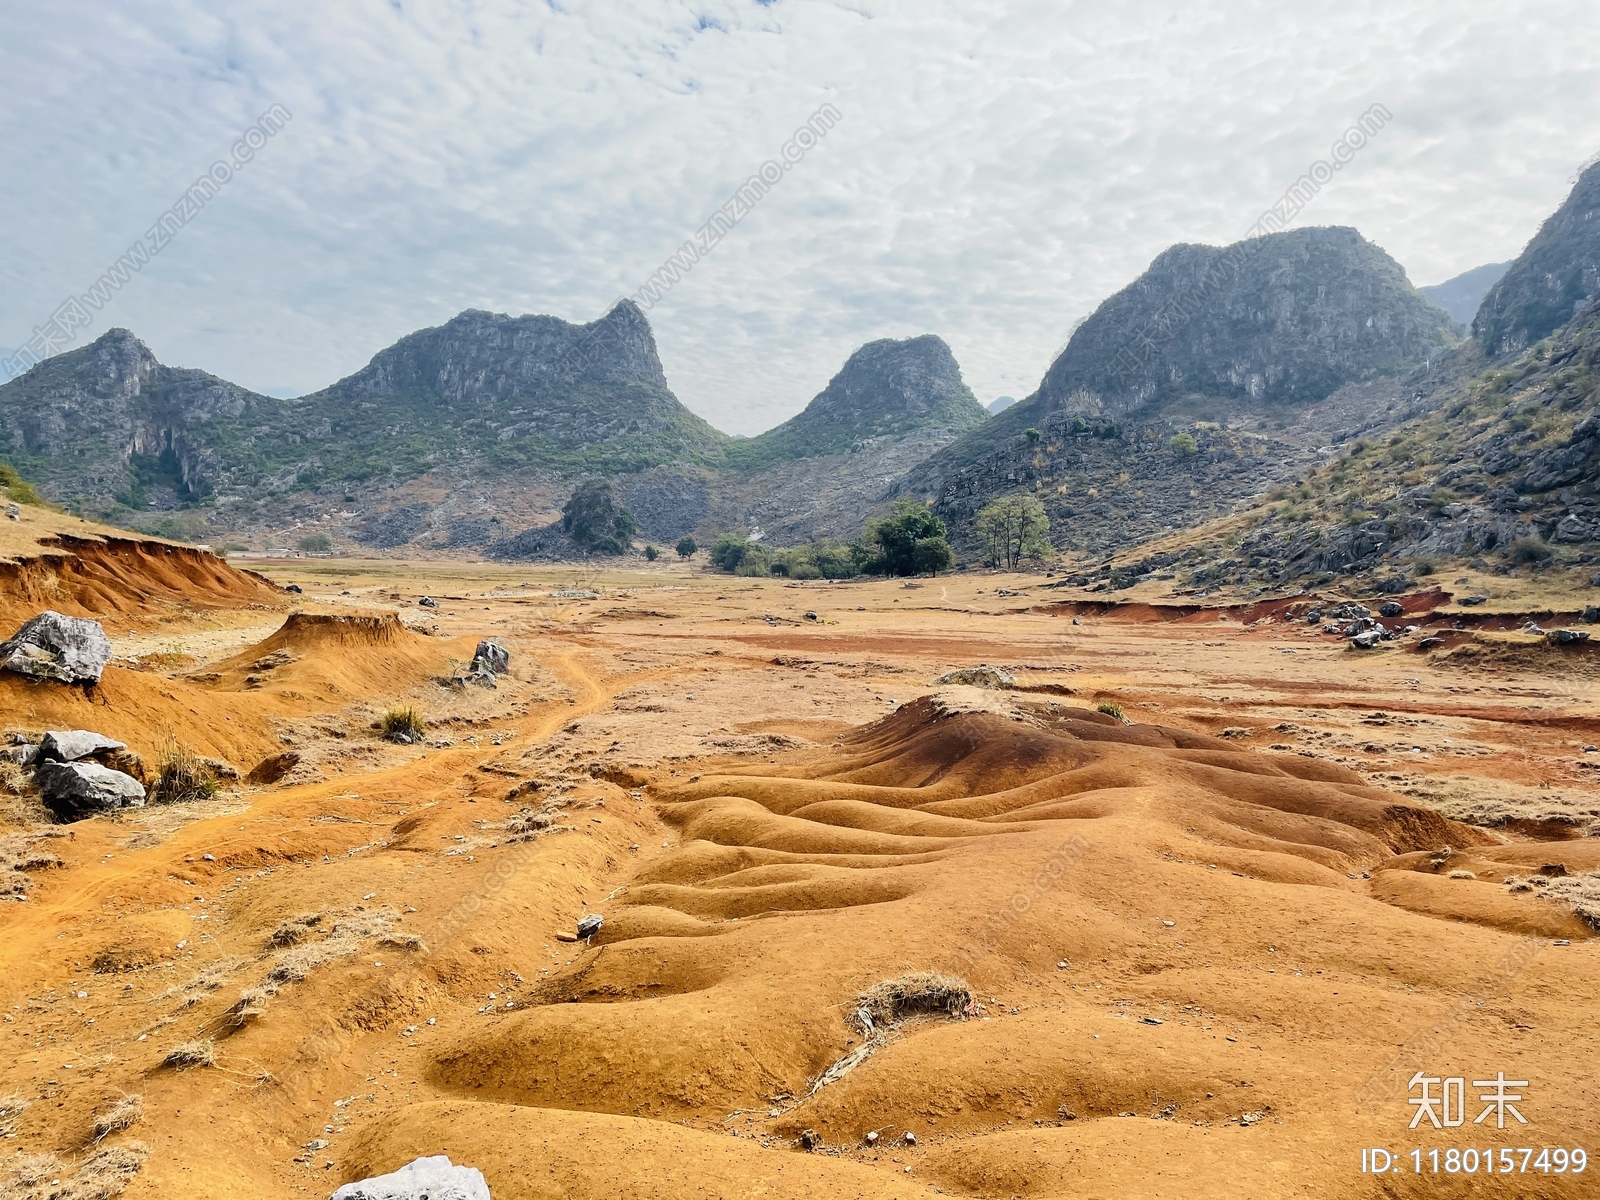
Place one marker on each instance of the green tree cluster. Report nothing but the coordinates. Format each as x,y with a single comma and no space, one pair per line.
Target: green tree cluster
910,541
593,518
1014,528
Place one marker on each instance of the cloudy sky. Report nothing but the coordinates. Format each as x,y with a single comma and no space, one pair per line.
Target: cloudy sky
998,170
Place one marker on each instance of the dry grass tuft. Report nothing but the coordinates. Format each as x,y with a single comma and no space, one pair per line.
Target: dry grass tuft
883,1006
924,994
343,936
182,777
1112,709
191,1054
294,931
1462,875
528,824
102,1175
124,1114
20,854
403,723
12,1106
1581,892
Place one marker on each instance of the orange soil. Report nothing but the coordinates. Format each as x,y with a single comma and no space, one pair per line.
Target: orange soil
1165,930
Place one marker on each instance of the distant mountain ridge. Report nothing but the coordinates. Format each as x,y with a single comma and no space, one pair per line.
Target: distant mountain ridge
1461,295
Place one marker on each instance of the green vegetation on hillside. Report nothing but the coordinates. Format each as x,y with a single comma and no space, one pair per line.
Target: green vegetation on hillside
910,541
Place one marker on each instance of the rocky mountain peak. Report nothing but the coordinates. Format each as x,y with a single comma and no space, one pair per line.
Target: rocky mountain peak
1282,319
886,388
1550,280
478,354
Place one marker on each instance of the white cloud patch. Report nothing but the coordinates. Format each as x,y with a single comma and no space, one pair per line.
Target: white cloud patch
999,169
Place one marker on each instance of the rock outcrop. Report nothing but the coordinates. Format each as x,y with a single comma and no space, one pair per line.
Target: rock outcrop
1551,279
53,646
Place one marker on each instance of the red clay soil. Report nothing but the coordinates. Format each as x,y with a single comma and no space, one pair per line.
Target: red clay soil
105,577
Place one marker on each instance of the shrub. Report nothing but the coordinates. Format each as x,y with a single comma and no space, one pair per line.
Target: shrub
686,547
182,777
1033,436
1111,709
316,543
1424,566
651,553
1183,444
1528,550
18,488
402,724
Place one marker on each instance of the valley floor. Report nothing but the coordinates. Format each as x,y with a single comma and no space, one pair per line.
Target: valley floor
1206,947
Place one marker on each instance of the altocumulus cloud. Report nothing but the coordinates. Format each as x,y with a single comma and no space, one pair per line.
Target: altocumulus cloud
999,169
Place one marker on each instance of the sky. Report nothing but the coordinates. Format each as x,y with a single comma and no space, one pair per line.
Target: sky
996,169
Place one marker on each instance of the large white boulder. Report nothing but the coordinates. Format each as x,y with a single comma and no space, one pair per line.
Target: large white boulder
432,1178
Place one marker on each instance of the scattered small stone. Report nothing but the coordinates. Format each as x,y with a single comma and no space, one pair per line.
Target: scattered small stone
590,925
1563,637
1553,870
428,602
809,1139
811,616
872,1137
910,1138
979,676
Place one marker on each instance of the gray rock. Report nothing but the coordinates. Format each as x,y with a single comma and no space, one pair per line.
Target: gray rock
590,925
428,602
1591,615
14,512
1473,601
1390,608
431,1178
1367,640
23,755
76,790
1565,637
69,745
52,646
491,656
981,676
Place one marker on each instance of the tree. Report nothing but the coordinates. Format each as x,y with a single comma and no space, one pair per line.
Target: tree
909,542
1183,444
1014,528
651,553
728,551
1033,436
592,518
686,547
316,543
